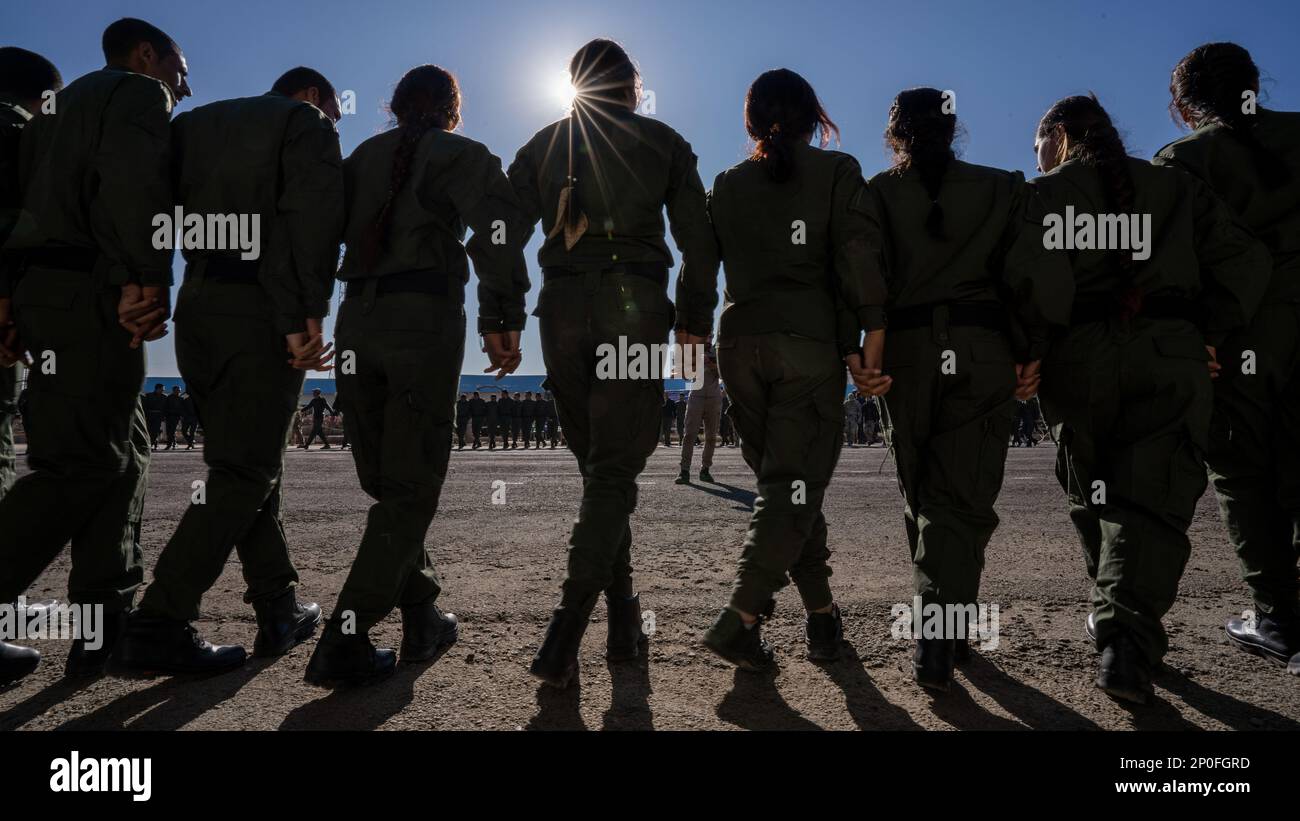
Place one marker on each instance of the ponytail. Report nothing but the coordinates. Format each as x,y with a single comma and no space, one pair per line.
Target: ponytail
920,134
781,110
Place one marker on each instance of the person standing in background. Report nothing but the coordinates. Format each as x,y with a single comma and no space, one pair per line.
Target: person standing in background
704,405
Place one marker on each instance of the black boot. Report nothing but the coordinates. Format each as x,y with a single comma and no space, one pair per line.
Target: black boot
16,662
86,663
932,663
626,639
283,623
743,646
151,646
1274,638
683,478
427,632
1090,628
340,659
705,476
824,632
556,662
1125,673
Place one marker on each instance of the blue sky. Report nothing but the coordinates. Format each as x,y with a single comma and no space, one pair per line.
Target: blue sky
1007,62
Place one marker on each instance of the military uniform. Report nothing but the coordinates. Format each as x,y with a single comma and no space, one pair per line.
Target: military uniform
174,408
852,419
154,404
93,176
189,420
703,407
277,158
1130,400
462,420
1254,446
506,420
792,312
528,418
962,311
13,117
404,319
609,285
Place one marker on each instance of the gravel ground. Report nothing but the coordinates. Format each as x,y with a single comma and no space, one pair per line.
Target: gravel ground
501,566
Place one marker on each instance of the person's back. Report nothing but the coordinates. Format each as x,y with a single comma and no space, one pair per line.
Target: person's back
1250,157
599,182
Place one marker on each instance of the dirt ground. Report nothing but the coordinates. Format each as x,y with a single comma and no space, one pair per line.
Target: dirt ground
501,566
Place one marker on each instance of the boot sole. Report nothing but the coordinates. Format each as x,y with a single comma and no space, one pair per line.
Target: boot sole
117,669
1126,694
933,686
742,663
296,638
1258,650
348,681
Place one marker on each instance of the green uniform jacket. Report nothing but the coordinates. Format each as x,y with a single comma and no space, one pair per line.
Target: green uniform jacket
796,250
278,158
96,172
455,182
12,119
628,168
1269,207
1199,251
992,248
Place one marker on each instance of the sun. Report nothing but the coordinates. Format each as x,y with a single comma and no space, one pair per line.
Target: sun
562,89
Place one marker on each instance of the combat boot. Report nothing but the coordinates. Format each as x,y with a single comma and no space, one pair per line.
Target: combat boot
626,639
283,623
683,478
152,646
1090,628
1125,673
16,662
556,662
1271,635
705,476
823,633
932,663
341,659
84,662
427,632
743,646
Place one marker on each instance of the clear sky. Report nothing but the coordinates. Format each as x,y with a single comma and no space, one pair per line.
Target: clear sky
1006,61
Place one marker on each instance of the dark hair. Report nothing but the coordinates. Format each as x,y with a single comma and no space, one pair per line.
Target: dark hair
1208,84
920,133
427,97
121,38
601,71
27,75
1094,141
781,109
297,79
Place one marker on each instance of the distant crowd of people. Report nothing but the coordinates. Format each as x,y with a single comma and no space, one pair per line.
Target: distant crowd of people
175,410
526,418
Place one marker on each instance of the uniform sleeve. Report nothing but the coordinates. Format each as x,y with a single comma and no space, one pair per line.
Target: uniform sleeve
688,219
1038,283
486,201
1235,267
133,162
309,219
855,237
523,179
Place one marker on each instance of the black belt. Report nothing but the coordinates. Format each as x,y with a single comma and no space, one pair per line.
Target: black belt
68,258
232,269
980,314
417,281
649,270
1153,307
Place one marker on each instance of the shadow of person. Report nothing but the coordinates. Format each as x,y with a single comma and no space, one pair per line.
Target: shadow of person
753,703
359,708
169,704
629,707
743,498
867,706
40,702
1035,708
1237,714
558,709
961,711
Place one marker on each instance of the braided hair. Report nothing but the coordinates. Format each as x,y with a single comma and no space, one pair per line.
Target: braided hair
1208,86
781,109
1091,139
920,134
427,97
